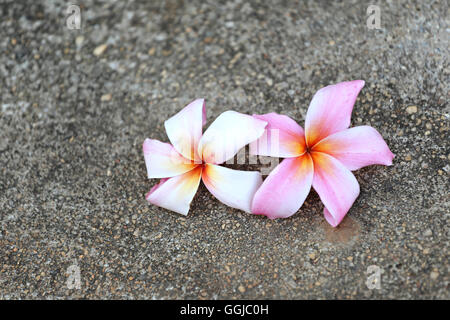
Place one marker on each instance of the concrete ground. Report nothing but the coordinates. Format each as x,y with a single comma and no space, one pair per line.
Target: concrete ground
76,106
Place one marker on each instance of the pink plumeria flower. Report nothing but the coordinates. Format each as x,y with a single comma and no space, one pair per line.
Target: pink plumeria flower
194,156
322,155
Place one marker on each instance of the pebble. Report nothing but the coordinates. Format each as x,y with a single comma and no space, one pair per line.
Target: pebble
100,50
79,41
229,24
106,97
411,109
235,59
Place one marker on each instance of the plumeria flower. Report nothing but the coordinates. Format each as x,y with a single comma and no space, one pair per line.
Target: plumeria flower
194,156
323,155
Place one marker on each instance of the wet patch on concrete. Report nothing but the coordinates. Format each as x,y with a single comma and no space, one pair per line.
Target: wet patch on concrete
347,232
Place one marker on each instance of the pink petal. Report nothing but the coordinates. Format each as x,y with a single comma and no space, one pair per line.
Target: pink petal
282,138
162,160
285,189
234,188
185,129
330,110
176,193
336,185
228,134
357,147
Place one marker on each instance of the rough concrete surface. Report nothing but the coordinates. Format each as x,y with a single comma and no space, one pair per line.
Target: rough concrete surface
76,106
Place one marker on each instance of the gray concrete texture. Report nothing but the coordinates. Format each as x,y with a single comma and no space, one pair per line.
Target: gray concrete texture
76,106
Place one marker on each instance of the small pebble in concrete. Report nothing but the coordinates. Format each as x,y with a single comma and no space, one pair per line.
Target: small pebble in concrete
100,50
411,109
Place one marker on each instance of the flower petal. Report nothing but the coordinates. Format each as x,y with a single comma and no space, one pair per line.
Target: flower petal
283,137
185,129
285,189
176,193
336,185
357,147
330,110
234,188
162,160
228,134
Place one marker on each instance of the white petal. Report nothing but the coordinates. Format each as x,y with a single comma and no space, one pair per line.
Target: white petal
228,134
234,188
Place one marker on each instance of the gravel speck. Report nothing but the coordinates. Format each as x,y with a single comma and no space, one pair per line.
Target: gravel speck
98,51
411,109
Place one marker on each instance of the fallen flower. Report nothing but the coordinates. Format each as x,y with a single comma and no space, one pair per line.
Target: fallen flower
322,155
194,156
